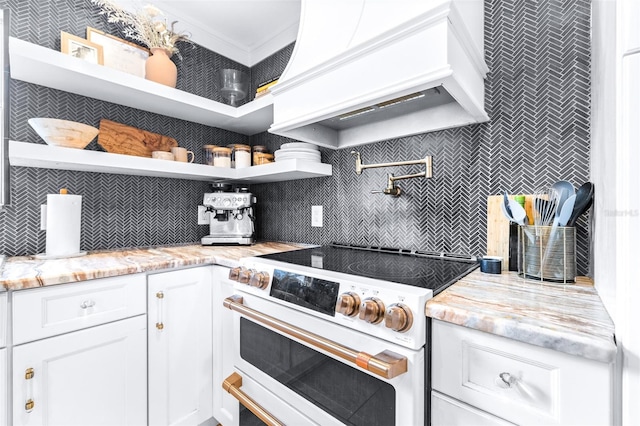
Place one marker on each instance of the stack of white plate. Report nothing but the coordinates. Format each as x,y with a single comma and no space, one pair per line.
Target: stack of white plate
299,151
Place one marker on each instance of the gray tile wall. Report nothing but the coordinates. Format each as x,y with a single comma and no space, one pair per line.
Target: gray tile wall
537,95
118,211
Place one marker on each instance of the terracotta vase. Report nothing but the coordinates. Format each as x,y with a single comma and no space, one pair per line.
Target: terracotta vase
160,68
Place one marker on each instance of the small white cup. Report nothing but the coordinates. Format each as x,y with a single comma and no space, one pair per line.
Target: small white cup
162,155
182,155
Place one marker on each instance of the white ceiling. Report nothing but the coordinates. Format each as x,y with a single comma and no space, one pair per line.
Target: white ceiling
246,31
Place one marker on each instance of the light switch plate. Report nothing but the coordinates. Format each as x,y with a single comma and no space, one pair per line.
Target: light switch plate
203,217
316,216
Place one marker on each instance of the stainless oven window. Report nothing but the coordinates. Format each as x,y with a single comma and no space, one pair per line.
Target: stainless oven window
348,394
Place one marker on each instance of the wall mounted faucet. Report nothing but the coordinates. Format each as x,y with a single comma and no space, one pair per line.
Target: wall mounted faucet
391,188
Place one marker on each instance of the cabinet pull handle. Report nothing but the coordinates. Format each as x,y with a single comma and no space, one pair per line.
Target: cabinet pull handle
88,304
506,380
386,364
29,373
232,384
159,323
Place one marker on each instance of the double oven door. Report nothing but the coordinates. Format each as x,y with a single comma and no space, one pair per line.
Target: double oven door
326,375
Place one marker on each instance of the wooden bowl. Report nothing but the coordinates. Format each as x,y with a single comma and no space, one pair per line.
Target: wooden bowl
68,134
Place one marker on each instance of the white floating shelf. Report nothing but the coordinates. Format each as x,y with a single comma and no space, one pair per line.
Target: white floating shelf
50,157
46,67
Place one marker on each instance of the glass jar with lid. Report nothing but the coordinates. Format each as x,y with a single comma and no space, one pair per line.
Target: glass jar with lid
222,157
208,154
244,151
258,149
242,156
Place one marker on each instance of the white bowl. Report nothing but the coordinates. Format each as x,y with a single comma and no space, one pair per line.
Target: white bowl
63,133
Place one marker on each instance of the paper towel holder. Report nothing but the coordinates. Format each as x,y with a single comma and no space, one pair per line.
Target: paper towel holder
69,223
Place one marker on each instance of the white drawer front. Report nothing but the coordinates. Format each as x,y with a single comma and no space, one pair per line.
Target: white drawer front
521,383
45,312
446,411
4,314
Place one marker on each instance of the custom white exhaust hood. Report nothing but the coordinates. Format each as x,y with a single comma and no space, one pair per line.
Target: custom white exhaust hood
369,70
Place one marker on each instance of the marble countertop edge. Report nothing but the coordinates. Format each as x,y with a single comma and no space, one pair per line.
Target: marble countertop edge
570,319
24,272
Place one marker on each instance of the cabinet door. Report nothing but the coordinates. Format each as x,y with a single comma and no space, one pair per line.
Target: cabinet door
180,347
447,411
519,382
225,408
95,376
3,388
4,314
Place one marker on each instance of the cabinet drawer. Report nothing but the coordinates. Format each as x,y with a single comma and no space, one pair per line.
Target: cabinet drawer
3,319
447,411
45,312
518,382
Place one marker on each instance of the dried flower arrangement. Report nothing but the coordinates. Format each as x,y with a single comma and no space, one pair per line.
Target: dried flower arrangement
146,26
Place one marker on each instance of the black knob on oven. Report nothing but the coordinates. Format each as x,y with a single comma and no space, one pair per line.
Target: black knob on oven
245,275
259,280
348,304
398,317
372,310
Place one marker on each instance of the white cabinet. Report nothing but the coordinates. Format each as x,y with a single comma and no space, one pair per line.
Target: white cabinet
79,354
4,385
4,315
94,376
480,375
451,412
225,411
180,351
49,311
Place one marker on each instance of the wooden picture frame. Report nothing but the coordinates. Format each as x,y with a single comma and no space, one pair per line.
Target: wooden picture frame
120,54
81,48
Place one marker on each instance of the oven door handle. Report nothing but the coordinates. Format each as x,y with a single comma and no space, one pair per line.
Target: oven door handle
386,364
232,384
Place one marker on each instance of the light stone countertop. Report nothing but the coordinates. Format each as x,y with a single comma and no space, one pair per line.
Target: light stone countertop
570,319
565,318
25,272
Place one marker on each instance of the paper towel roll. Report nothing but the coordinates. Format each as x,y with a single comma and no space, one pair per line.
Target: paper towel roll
63,224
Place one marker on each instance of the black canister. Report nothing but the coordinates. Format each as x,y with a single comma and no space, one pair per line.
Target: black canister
491,265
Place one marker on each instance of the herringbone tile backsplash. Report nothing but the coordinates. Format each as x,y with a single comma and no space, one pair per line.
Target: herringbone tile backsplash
118,210
537,95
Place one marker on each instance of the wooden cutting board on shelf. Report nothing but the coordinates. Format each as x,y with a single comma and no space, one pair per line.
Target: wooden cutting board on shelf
119,138
498,227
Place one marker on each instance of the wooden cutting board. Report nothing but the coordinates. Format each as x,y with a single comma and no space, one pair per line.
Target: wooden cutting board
119,138
498,227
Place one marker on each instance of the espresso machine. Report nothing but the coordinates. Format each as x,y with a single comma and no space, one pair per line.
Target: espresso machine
231,219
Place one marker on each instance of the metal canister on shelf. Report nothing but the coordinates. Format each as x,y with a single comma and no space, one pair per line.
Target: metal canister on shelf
208,154
222,157
258,149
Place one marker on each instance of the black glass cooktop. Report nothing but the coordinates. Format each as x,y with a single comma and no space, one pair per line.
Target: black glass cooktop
434,271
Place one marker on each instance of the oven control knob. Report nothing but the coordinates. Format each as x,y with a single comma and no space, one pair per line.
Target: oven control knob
372,310
234,273
245,275
398,317
259,280
348,304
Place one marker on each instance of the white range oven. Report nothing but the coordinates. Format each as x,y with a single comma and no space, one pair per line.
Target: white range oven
332,335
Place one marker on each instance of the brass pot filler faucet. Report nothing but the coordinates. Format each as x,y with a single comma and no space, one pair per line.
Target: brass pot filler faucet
391,188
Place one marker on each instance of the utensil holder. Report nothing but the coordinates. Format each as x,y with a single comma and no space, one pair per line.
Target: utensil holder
547,253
